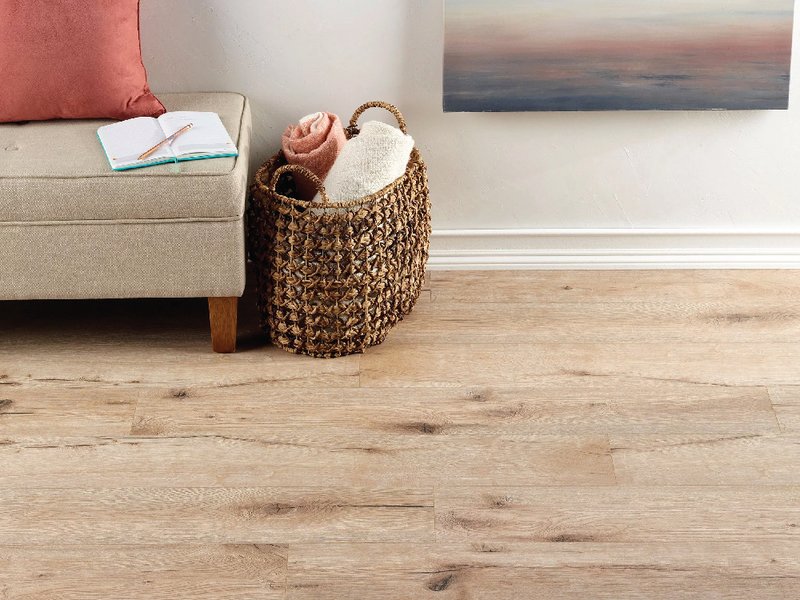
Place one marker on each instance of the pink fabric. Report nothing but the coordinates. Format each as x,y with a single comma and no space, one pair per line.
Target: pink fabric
72,59
314,144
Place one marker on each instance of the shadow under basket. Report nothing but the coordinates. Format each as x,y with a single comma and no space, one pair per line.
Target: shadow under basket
334,278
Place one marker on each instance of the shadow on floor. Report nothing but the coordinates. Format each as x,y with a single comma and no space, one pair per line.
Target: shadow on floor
142,320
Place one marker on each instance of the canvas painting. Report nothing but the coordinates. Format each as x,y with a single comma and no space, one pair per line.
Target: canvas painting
553,55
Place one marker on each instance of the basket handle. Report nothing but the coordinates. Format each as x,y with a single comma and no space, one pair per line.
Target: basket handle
385,105
300,170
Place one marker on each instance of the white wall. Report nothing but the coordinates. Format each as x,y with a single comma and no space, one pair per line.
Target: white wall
735,172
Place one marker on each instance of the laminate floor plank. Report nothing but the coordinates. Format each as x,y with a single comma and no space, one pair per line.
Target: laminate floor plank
731,320
531,571
747,459
441,364
142,366
618,514
613,286
213,516
304,458
61,410
166,572
576,405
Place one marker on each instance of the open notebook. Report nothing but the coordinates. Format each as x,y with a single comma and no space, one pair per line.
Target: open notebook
125,141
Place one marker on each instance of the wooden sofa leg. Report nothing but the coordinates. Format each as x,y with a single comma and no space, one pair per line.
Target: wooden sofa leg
222,313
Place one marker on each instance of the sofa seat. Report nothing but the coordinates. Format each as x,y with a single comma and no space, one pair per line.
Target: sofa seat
56,171
72,228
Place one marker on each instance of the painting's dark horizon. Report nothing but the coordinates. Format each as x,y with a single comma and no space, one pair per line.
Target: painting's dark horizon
554,55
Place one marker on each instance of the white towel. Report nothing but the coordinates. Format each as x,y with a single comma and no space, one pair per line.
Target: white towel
369,162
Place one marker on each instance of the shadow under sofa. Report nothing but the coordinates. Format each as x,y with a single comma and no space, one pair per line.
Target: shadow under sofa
71,228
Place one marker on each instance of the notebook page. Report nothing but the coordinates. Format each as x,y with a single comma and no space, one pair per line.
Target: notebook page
126,141
207,135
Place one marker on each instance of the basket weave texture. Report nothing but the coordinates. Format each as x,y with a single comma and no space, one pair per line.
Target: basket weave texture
334,278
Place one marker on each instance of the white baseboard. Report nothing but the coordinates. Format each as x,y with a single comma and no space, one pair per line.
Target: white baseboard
614,249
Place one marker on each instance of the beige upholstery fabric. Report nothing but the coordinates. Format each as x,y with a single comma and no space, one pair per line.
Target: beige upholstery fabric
72,228
184,259
57,171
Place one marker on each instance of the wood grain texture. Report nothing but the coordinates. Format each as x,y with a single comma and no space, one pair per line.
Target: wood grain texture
615,286
223,314
618,514
396,364
520,435
556,406
746,459
304,458
60,410
730,320
786,401
84,572
174,365
525,571
214,516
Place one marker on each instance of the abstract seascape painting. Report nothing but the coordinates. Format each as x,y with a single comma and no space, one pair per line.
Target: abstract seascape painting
554,55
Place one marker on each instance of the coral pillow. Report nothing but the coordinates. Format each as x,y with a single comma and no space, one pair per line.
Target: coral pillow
72,59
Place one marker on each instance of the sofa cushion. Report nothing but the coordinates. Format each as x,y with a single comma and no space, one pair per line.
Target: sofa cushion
56,171
72,59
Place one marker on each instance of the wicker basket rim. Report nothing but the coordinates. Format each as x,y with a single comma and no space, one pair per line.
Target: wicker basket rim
262,180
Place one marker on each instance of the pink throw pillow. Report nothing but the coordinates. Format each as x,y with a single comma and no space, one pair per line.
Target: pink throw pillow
72,59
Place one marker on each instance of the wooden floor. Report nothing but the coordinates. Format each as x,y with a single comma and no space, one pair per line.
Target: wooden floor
521,435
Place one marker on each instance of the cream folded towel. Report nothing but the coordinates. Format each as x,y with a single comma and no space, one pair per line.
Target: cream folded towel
369,162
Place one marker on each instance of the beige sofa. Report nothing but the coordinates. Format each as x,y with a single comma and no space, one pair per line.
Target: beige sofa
72,228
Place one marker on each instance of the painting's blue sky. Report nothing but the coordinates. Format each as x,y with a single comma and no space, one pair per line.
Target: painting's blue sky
618,53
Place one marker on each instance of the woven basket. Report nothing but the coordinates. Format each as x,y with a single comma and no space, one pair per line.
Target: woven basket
334,278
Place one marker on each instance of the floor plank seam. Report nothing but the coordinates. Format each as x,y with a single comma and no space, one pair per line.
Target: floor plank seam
613,463
771,395
435,513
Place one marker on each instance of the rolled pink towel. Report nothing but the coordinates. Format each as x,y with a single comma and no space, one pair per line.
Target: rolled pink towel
314,143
